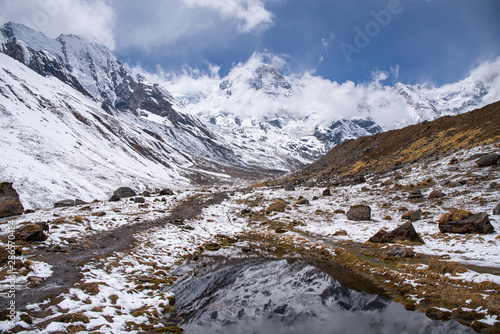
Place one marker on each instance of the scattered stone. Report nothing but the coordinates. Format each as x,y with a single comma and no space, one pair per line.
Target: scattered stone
166,192
115,198
388,217
341,233
327,192
453,161
496,210
403,233
277,206
144,279
245,211
412,215
179,221
436,194
489,160
315,198
139,200
289,187
281,230
339,211
65,203
99,214
396,198
359,213
9,201
35,280
124,192
28,211
32,232
474,223
302,201
365,189
493,185
146,193
401,252
143,206
415,194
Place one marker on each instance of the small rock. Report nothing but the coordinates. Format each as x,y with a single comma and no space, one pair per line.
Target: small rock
453,161
359,213
289,187
277,206
493,185
124,192
139,200
245,211
166,192
341,233
415,194
146,193
35,280
99,214
302,201
489,160
144,279
474,223
496,210
436,194
402,252
28,211
281,230
412,215
327,192
10,205
315,198
65,203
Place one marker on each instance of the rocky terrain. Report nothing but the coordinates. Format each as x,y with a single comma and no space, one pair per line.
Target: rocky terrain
423,232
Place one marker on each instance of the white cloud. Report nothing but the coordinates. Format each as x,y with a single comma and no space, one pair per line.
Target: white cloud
90,18
250,14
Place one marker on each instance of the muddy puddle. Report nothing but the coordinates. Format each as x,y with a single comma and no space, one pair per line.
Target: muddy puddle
256,295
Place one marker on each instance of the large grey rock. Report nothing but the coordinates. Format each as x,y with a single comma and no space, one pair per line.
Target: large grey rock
475,223
489,160
124,192
402,252
359,213
10,205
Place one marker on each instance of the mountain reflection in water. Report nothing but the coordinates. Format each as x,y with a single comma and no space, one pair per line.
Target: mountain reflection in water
290,296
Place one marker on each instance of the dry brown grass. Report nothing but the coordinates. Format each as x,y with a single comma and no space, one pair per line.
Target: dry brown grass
453,215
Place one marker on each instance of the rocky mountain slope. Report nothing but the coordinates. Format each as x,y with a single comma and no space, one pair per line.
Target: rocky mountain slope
385,152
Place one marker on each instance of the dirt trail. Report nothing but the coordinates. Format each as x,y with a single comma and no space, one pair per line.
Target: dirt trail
67,266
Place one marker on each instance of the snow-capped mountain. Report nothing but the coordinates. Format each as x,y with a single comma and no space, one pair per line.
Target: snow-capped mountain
70,111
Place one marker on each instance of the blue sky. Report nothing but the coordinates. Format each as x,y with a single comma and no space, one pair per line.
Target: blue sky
423,40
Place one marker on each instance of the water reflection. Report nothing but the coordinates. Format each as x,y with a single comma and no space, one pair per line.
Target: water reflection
284,296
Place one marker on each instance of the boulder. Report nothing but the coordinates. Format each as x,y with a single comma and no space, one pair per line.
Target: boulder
327,192
277,206
415,194
403,233
402,252
412,215
32,232
9,201
436,194
166,192
359,213
65,203
289,187
489,160
474,223
496,210
124,192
